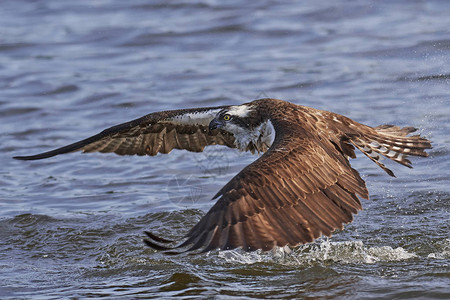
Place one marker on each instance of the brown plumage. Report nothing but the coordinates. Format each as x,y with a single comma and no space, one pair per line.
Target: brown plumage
152,134
301,188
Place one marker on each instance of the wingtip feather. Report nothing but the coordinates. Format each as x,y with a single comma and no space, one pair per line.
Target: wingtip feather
157,238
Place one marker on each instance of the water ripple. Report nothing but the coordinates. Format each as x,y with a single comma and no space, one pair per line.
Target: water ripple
73,226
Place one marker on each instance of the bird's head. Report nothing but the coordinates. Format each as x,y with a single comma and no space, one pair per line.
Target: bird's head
251,129
236,119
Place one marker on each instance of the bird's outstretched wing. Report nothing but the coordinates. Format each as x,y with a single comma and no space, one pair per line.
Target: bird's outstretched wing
301,188
154,133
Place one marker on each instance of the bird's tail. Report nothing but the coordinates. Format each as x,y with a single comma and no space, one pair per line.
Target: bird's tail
391,142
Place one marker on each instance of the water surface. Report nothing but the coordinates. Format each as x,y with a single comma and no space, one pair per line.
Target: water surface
72,226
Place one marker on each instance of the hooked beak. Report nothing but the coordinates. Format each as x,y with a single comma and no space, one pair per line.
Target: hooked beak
214,124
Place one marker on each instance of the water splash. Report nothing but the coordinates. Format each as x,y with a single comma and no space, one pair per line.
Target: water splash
444,254
346,252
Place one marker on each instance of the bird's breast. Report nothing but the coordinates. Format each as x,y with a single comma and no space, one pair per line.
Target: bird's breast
258,139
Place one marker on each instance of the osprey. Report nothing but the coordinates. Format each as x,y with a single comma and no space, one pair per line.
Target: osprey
302,187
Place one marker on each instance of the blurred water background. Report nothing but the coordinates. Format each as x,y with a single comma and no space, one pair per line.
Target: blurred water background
72,226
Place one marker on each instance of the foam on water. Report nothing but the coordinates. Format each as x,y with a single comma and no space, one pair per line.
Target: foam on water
347,252
444,254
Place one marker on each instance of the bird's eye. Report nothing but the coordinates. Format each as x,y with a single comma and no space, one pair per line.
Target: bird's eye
227,117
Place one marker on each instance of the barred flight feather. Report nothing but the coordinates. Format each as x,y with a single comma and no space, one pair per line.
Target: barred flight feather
393,143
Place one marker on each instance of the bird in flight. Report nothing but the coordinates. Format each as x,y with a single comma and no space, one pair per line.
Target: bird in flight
301,187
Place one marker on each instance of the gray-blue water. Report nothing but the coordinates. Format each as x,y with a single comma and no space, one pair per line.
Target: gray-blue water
72,226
